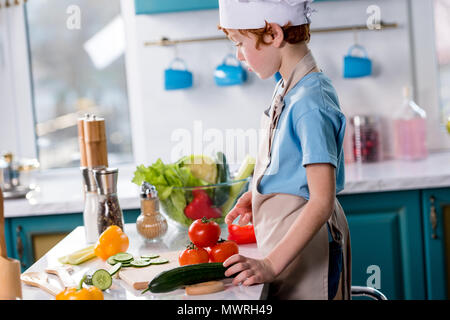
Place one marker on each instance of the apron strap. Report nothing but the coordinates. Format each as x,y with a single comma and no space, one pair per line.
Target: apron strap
303,67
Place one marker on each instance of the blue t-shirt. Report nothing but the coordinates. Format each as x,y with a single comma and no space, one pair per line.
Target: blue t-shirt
310,130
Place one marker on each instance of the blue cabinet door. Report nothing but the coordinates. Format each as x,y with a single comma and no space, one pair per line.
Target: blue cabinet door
23,230
8,238
387,243
436,228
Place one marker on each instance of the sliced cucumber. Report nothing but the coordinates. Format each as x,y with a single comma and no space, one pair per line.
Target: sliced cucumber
140,263
123,257
111,260
102,279
115,268
150,256
159,261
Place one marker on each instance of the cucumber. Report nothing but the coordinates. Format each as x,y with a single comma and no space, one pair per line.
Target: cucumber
111,260
115,268
123,257
140,263
159,261
221,193
186,275
102,279
246,170
150,256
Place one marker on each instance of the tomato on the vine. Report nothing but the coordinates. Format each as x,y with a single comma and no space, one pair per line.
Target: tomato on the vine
193,255
204,233
223,250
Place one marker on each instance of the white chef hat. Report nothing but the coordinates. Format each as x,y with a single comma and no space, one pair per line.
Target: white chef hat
252,14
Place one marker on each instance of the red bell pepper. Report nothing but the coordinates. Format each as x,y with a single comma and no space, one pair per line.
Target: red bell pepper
201,206
241,234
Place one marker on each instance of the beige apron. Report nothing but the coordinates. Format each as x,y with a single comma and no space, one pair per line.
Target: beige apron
306,277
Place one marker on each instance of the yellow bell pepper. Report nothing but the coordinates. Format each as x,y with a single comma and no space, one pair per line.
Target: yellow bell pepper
91,293
80,293
113,240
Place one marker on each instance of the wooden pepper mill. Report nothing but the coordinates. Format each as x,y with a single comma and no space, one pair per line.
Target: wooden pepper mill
94,134
10,285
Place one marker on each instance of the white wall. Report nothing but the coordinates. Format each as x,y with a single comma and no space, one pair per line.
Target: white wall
156,113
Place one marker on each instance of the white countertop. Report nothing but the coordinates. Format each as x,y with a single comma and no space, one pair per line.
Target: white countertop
173,240
60,190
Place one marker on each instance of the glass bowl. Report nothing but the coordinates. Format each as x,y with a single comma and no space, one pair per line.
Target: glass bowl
214,201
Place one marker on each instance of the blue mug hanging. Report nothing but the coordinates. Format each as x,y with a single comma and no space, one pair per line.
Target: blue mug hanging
357,66
175,79
228,74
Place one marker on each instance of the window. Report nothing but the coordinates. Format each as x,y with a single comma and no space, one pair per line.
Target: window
76,50
442,30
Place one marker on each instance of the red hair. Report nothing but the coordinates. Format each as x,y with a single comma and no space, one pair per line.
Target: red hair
292,34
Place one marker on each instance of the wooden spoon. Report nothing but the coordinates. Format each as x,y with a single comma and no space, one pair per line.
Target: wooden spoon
39,279
10,286
63,273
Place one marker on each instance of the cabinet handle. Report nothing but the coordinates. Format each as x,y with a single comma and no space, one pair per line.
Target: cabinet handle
433,218
19,245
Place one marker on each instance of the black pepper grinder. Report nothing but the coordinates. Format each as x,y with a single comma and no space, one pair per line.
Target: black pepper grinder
109,212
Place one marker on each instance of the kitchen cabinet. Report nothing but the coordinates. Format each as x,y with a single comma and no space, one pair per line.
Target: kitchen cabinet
31,237
387,242
436,231
400,240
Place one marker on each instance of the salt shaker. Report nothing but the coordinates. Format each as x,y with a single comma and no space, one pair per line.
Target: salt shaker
90,205
108,211
150,224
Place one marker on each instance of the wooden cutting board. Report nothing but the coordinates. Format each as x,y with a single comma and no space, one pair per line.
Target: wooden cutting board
138,278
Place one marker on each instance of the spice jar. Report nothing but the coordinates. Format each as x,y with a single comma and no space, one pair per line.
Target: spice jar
90,205
108,212
366,138
150,224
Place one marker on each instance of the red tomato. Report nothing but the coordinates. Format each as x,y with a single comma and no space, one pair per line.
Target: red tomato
223,250
193,255
204,233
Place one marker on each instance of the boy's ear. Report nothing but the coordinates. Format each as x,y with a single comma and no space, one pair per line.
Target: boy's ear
277,35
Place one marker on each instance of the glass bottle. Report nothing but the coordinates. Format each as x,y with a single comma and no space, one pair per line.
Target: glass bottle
410,130
90,205
108,212
150,224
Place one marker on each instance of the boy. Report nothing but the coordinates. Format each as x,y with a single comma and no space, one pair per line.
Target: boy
300,226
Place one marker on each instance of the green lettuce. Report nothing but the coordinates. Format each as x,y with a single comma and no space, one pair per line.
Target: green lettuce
166,178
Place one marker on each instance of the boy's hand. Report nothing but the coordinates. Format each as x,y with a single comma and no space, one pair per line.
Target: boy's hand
249,271
242,208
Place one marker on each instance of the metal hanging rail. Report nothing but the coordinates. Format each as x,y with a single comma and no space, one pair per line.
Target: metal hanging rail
167,42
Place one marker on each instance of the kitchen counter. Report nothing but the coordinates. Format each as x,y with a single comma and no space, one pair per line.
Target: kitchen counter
60,190
173,240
